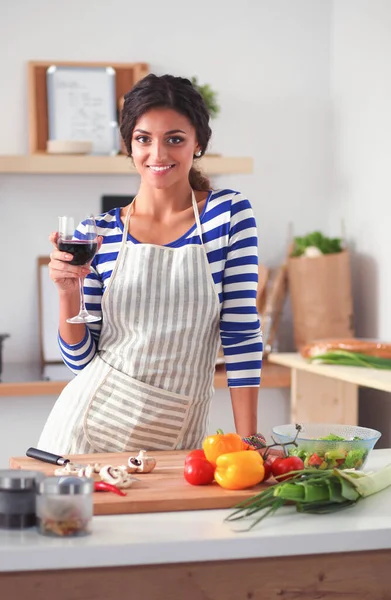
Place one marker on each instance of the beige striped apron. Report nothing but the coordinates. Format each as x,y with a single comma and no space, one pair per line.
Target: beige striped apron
151,383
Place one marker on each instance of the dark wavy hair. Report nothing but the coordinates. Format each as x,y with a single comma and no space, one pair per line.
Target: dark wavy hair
176,93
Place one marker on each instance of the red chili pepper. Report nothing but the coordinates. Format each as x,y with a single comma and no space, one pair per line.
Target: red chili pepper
102,486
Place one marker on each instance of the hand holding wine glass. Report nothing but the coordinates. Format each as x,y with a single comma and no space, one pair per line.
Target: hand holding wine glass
82,244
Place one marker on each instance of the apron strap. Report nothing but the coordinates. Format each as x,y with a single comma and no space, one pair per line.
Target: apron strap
126,224
197,215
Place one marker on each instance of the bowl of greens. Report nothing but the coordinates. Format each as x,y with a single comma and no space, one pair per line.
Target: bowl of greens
325,446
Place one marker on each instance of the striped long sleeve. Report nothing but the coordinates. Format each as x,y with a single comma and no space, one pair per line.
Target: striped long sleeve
230,239
239,326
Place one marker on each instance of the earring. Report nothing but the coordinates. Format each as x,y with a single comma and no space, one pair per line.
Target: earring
198,154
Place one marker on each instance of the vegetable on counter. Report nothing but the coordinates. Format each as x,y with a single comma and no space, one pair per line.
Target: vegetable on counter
314,491
268,466
234,463
222,443
102,486
284,466
331,459
239,470
351,359
198,470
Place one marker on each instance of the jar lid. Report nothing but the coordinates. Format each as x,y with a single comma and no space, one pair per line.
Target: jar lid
19,479
67,485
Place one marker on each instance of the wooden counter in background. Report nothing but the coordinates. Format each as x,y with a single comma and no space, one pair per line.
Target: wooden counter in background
27,380
328,393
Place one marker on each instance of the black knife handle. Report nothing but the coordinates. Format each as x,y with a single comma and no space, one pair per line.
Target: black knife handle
48,457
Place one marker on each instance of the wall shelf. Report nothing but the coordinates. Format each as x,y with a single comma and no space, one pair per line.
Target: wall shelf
45,164
26,380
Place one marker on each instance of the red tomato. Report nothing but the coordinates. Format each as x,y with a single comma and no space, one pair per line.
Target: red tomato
314,460
199,471
199,453
268,466
281,466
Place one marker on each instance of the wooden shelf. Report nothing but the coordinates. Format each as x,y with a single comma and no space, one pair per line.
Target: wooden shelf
22,380
273,376
46,164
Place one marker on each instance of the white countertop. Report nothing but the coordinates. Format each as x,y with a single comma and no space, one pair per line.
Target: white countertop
174,537
377,379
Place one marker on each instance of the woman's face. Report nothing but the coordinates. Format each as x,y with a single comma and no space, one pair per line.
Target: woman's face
163,145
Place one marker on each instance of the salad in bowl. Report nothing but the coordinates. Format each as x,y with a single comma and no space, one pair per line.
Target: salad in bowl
328,446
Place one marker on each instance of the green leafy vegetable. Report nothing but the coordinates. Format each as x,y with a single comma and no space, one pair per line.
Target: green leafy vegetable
351,359
314,491
325,244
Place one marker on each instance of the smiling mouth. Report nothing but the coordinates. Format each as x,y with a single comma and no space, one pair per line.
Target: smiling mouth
160,168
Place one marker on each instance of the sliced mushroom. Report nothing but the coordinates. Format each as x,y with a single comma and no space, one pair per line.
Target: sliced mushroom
67,469
142,463
92,471
111,474
117,476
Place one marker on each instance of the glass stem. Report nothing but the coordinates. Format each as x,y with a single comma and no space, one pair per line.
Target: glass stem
82,302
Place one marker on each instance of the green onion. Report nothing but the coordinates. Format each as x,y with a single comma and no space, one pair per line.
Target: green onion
314,491
352,359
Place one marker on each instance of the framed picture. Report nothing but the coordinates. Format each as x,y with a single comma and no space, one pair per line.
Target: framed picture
82,106
48,314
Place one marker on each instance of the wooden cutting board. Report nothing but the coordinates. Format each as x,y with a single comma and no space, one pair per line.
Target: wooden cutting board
163,490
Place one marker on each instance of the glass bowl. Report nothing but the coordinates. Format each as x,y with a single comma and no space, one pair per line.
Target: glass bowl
350,452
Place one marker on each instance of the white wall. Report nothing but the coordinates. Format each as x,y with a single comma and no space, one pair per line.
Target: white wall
269,62
361,93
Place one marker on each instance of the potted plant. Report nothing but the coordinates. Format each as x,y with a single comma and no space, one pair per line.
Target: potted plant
210,97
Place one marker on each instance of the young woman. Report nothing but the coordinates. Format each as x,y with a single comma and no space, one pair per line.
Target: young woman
175,276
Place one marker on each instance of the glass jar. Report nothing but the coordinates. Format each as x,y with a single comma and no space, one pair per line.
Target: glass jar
65,506
18,490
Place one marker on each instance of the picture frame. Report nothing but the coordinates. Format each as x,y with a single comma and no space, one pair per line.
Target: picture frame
48,315
82,105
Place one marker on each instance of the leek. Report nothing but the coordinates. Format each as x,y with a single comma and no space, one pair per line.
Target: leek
351,359
314,491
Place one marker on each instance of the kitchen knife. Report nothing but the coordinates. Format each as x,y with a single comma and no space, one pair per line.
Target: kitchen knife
48,457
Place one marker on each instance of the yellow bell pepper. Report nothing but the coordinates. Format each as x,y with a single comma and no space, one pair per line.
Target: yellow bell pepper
221,443
239,470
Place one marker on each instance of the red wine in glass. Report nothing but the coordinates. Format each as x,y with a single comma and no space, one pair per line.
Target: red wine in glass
82,243
83,251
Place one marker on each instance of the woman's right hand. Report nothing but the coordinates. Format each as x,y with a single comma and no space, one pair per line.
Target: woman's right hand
64,275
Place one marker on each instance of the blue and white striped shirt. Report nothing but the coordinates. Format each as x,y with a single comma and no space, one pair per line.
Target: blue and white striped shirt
229,236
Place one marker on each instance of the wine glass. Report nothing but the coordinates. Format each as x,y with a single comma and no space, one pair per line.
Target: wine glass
82,243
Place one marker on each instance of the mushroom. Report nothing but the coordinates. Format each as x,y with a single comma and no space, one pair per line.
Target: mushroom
141,463
111,474
92,471
67,469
